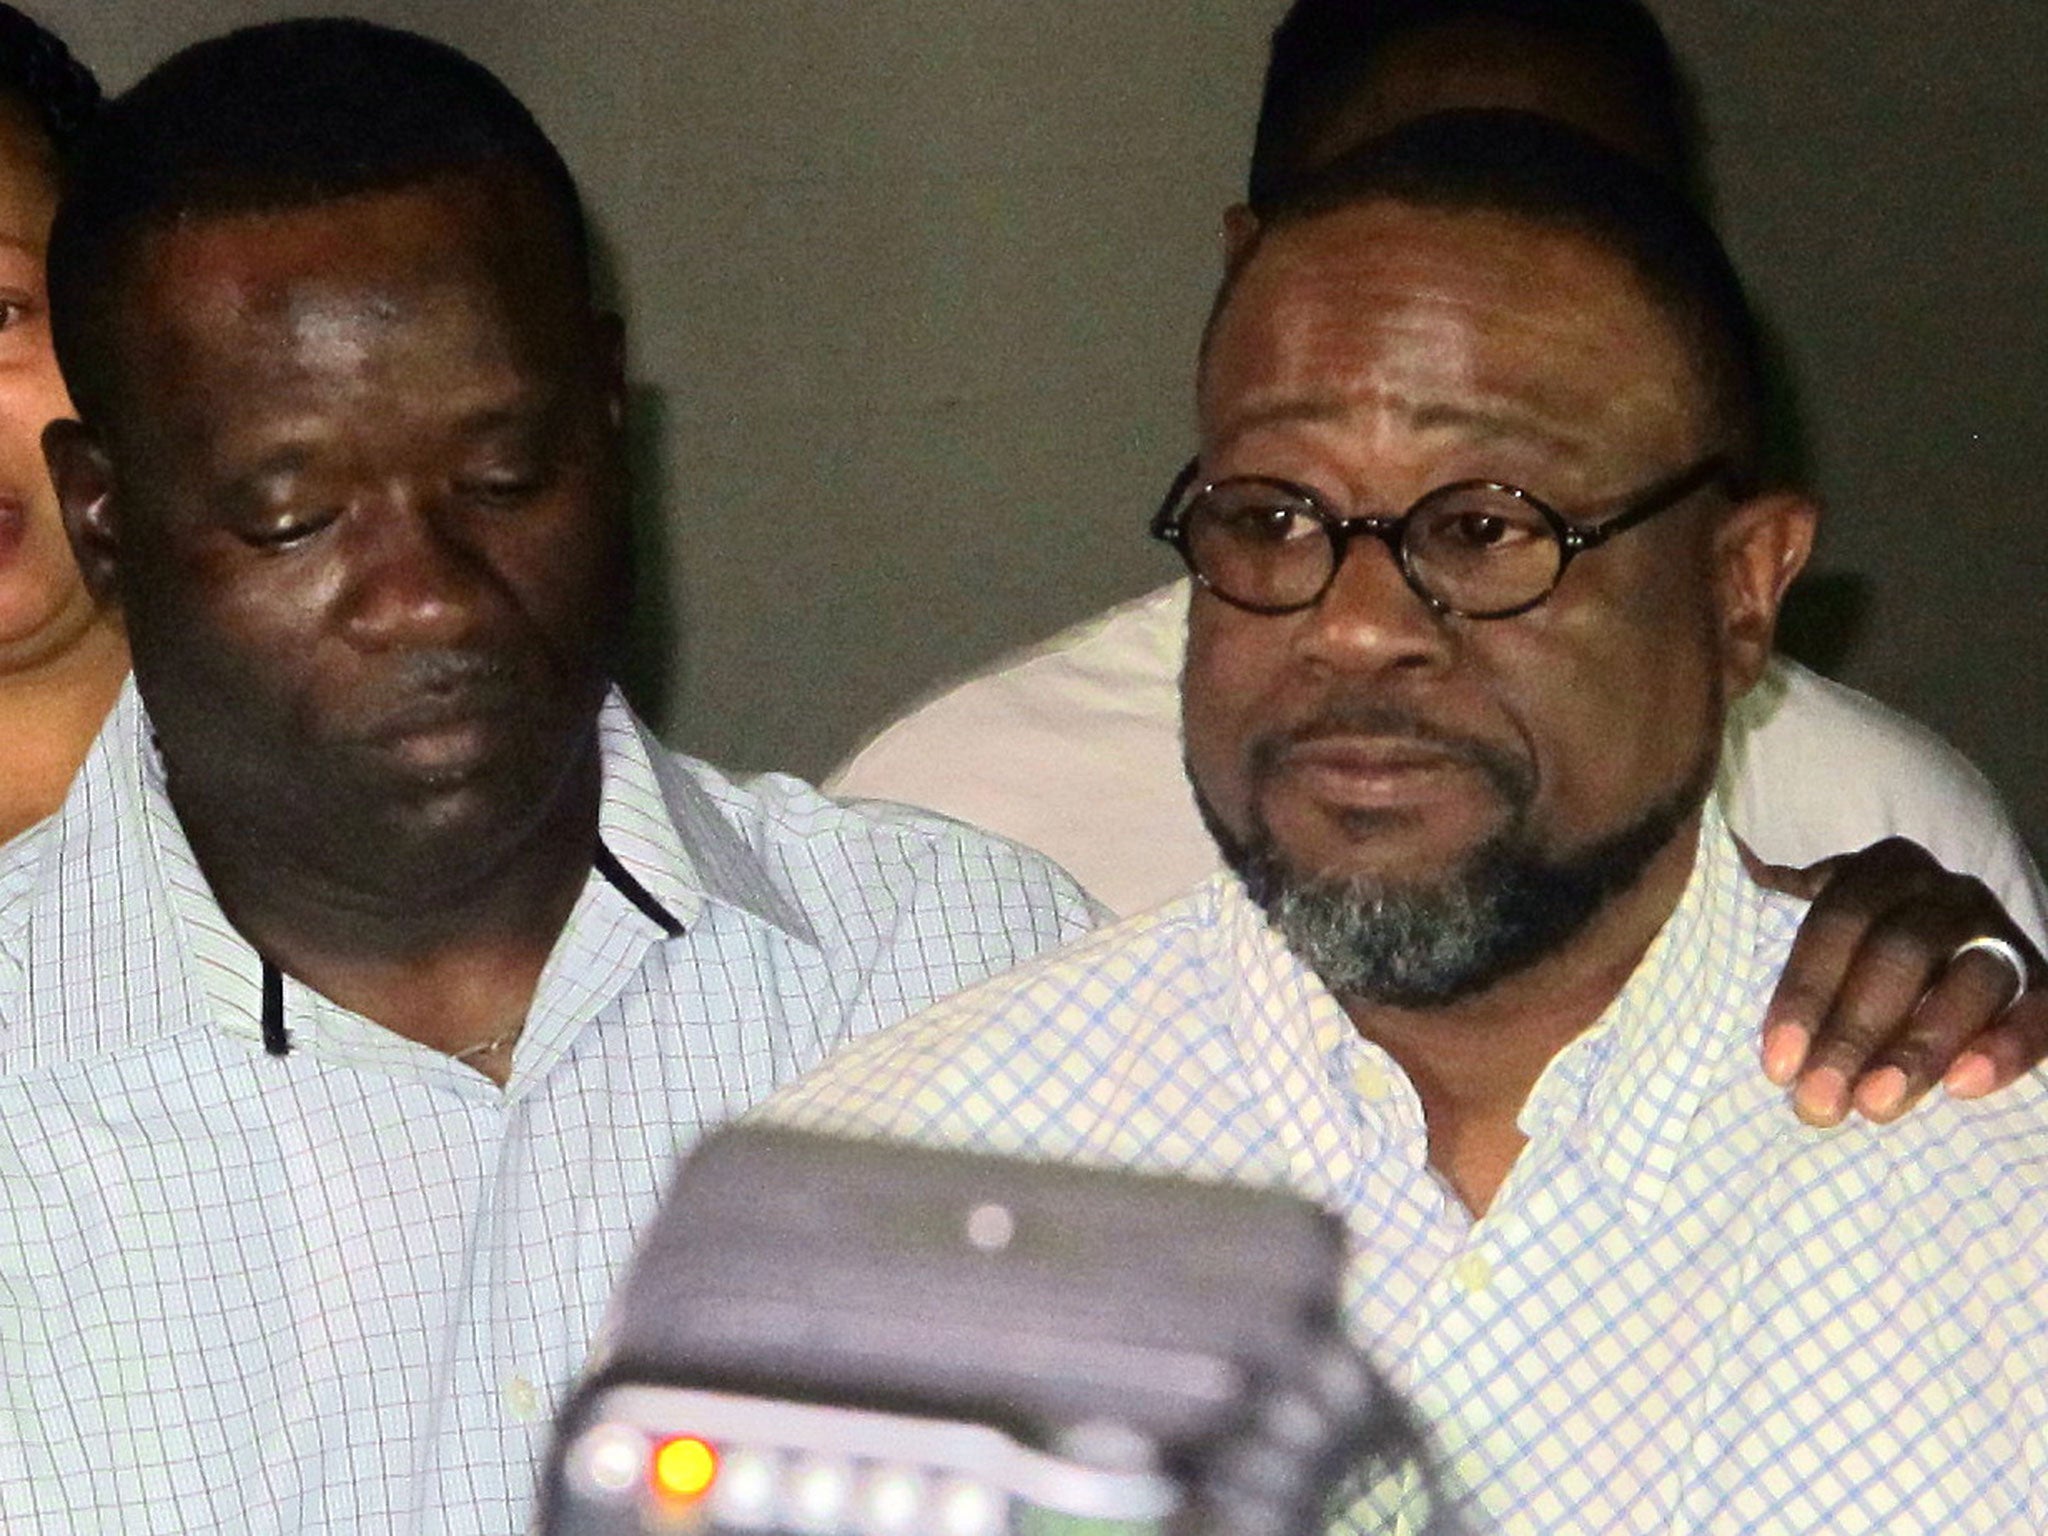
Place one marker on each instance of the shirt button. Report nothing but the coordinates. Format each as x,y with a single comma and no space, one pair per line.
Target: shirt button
1471,1273
522,1398
1373,1085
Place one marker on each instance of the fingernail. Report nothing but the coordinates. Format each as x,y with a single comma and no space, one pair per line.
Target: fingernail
1784,1052
1883,1094
1972,1076
1822,1097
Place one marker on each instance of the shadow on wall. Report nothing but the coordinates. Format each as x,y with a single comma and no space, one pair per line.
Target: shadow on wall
654,627
652,643
1823,619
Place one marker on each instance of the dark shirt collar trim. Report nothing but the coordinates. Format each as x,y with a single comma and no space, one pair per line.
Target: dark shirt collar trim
607,864
277,1039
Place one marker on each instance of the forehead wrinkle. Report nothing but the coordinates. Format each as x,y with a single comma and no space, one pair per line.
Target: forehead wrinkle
1479,422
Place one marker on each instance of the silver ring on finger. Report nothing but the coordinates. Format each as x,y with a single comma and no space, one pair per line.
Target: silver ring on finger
1991,944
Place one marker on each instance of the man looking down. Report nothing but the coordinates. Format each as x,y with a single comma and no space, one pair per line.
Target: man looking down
1484,552
357,1001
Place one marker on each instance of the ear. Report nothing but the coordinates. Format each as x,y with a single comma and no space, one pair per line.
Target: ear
1759,547
1240,229
84,478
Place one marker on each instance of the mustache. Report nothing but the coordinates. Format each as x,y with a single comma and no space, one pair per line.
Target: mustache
450,672
1512,778
427,682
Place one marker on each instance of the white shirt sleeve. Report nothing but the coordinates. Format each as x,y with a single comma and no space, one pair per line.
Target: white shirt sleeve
1812,769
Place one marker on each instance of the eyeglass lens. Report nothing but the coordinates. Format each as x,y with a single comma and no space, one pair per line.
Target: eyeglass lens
1475,549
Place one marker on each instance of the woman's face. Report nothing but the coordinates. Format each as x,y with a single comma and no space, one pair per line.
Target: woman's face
44,607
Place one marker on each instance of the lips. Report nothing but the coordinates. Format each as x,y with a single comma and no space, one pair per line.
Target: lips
441,748
1379,773
1372,764
446,735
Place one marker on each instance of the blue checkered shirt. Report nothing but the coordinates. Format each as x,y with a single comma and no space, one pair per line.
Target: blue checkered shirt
340,1290
1683,1312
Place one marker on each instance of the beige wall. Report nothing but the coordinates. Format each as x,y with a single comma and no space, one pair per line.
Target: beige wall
913,288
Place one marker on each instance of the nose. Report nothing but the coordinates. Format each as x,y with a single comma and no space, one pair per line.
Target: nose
1370,618
414,579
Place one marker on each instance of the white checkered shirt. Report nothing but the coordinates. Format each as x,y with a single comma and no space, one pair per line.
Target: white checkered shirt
1683,1312
340,1290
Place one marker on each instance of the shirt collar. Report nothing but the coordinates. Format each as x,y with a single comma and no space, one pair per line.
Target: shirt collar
224,966
1288,1029
1684,1025
1630,1086
661,824
663,820
98,896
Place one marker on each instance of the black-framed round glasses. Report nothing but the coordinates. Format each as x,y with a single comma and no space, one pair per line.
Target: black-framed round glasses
1475,548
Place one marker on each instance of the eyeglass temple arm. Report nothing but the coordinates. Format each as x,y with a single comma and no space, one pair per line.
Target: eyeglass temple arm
1578,537
1162,525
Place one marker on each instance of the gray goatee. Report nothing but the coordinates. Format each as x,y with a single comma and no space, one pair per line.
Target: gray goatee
1424,943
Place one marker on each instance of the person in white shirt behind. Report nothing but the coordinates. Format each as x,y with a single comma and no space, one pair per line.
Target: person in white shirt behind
1073,747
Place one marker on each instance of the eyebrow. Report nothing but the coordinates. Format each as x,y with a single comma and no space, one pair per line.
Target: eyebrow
301,440
538,408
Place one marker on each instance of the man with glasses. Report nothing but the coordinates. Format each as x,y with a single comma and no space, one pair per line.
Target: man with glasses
1474,548
1073,747
1484,546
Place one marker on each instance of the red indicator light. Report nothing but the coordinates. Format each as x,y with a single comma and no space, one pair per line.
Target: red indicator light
684,1468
